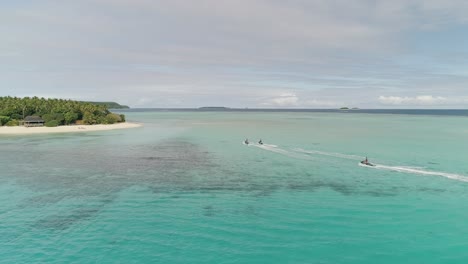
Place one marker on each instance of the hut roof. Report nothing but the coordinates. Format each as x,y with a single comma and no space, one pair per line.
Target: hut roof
33,119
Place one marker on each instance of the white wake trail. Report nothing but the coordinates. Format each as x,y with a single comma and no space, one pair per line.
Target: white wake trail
330,154
276,149
452,176
296,153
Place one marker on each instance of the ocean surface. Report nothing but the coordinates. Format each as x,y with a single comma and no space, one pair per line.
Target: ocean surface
185,189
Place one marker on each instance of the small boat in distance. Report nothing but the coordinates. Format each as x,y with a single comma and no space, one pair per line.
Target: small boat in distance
367,163
260,142
246,141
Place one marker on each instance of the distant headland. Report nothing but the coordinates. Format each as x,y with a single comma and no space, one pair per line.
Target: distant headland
347,108
213,108
110,105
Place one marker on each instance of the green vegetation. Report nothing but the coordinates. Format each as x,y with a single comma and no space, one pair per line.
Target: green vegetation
12,123
110,105
55,112
58,117
344,108
4,120
112,118
51,123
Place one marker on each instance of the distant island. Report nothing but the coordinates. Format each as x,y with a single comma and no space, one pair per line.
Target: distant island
347,108
213,108
35,111
110,105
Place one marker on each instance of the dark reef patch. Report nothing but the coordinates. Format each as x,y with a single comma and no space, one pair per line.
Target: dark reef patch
62,222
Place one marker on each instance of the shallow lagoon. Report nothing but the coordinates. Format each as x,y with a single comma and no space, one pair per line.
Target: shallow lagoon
184,188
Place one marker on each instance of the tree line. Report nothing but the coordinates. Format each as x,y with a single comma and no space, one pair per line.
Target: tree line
55,112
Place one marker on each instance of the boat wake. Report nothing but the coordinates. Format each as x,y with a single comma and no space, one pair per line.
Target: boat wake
402,169
306,154
452,176
276,149
330,154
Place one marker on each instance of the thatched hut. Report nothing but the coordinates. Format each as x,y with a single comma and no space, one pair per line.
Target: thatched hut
32,121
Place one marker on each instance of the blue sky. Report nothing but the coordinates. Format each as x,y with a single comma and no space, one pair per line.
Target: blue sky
244,53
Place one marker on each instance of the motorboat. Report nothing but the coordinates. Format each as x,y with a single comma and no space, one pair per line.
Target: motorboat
367,163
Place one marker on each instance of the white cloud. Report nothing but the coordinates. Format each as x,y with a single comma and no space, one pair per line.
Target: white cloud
293,100
238,53
322,103
284,100
423,100
9,54
143,102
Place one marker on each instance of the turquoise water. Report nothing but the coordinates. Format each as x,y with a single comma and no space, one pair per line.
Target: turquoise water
184,189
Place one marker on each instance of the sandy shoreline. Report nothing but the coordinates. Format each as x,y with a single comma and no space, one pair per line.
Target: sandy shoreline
19,130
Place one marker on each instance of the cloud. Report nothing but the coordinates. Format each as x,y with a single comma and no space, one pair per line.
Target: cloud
238,53
143,101
207,31
9,54
284,100
421,100
293,100
315,103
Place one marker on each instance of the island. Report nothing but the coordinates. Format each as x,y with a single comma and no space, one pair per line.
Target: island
213,108
347,108
30,115
110,105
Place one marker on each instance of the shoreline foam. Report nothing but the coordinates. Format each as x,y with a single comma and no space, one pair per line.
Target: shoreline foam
20,130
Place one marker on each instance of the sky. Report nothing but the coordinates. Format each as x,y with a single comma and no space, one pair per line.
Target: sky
239,53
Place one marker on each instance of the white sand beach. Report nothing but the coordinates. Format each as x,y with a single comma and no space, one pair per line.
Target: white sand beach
20,130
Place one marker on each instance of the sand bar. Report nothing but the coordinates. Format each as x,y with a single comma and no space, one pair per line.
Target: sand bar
20,130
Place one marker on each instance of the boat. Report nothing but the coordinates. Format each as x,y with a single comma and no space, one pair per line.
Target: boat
367,163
